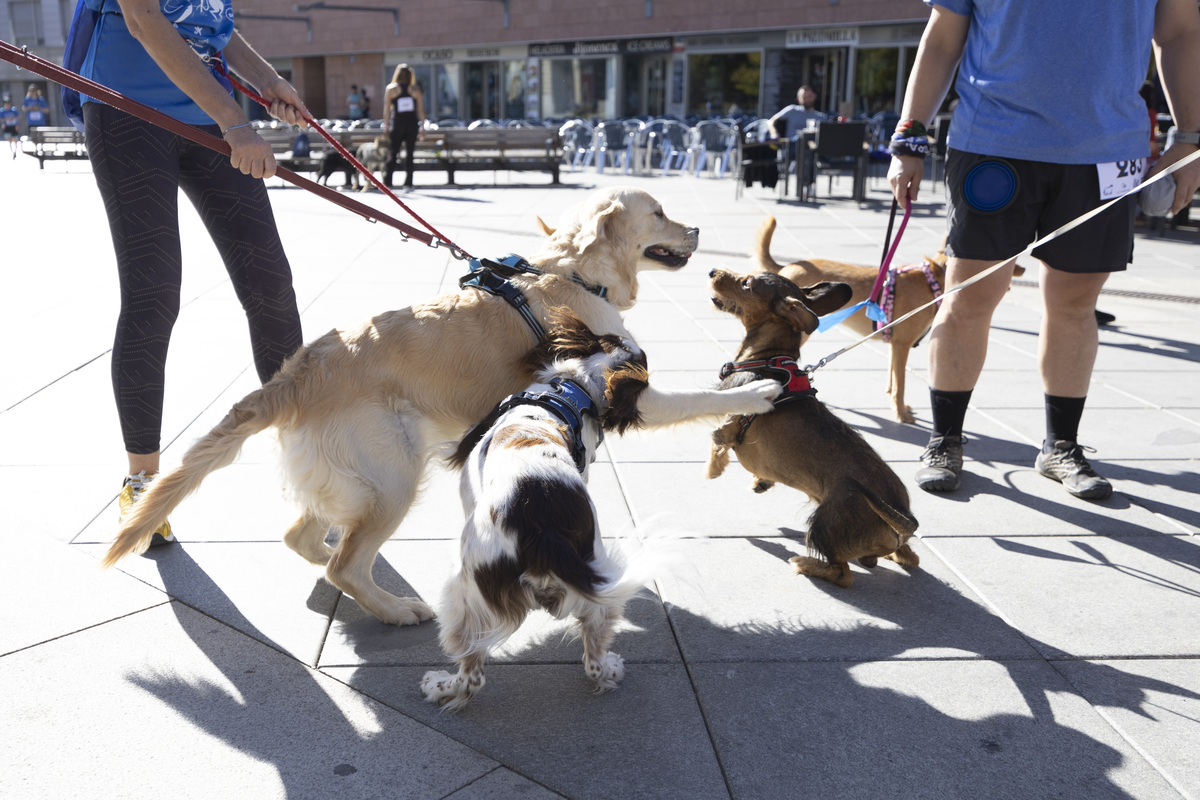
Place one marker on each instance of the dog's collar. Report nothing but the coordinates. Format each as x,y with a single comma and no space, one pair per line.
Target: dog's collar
570,403
494,277
794,378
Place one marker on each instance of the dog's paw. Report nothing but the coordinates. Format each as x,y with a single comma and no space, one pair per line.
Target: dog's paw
607,672
759,396
905,414
449,690
905,557
760,485
406,611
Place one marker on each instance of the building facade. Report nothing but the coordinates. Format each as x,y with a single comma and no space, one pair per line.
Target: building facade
556,59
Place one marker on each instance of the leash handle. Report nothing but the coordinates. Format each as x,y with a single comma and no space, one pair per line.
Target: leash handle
455,250
890,247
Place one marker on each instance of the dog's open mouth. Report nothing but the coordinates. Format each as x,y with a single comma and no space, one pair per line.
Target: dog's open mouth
666,256
724,305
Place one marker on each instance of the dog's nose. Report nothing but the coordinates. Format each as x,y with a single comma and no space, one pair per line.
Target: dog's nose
712,273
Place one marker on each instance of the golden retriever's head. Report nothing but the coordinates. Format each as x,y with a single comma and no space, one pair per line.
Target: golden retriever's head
613,235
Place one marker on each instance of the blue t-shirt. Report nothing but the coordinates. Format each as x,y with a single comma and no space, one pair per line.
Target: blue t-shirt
116,60
35,111
9,117
1055,82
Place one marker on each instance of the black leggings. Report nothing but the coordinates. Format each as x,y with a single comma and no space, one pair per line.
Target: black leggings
401,135
139,170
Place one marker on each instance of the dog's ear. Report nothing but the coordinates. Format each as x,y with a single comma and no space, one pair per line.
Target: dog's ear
827,296
800,316
546,229
600,225
623,386
569,336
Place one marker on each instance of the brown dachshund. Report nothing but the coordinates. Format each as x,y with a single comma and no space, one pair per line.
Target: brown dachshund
862,510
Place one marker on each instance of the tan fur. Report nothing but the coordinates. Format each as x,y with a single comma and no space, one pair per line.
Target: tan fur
862,506
360,411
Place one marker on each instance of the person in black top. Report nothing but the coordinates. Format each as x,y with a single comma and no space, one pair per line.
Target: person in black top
404,121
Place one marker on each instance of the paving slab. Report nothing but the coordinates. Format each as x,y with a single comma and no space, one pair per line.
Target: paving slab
915,730
748,604
1088,597
174,703
646,738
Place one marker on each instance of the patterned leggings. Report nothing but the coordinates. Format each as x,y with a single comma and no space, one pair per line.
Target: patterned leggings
139,170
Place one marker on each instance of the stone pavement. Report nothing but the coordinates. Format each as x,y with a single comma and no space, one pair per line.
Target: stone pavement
1046,647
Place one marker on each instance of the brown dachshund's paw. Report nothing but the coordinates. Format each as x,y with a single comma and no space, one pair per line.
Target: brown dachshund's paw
905,414
760,485
905,557
834,573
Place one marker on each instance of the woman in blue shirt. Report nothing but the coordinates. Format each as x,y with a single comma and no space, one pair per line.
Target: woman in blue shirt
171,56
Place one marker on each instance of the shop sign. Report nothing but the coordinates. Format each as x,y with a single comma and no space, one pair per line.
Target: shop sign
821,37
732,41
612,47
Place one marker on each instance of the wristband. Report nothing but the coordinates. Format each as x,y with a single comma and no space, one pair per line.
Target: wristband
911,128
901,145
234,128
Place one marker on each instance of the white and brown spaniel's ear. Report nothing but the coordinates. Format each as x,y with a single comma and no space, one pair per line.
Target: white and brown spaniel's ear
597,226
568,336
623,386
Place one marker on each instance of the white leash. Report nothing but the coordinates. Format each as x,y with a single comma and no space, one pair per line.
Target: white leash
1075,223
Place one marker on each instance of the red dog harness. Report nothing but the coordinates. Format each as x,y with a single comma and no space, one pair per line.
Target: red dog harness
781,368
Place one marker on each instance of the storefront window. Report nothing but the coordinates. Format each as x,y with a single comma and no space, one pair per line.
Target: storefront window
876,80
725,83
439,82
581,87
514,93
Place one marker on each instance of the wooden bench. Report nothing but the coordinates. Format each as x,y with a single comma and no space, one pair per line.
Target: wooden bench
54,143
515,149
281,140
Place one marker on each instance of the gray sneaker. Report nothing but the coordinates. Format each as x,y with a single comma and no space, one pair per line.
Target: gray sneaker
1067,465
943,461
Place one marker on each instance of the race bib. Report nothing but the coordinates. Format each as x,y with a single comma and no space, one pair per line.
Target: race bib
1120,177
405,104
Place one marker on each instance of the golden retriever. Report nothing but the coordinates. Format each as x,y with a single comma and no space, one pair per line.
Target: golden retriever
360,411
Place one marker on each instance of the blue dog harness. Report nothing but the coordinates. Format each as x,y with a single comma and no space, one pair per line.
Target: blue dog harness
493,277
570,403
781,368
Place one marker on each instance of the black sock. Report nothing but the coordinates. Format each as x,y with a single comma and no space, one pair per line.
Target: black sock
1062,419
949,411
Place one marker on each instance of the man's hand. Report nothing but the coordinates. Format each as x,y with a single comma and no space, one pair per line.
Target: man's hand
904,176
1187,179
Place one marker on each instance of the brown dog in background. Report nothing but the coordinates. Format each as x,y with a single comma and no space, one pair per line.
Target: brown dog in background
912,291
862,506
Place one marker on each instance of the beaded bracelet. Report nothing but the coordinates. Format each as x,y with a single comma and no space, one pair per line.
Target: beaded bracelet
902,145
235,127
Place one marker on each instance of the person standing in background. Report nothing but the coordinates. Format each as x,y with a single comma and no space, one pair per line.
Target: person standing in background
404,122
35,107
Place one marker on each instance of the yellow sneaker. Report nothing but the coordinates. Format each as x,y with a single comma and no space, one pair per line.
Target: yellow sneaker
131,490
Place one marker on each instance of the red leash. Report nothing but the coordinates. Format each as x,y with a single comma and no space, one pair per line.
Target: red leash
64,77
358,165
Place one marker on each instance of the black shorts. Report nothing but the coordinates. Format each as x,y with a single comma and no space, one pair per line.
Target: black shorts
9,131
994,224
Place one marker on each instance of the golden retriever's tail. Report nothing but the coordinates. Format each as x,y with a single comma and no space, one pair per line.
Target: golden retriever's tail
762,246
544,228
256,412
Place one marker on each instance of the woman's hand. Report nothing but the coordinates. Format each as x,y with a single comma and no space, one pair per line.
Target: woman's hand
285,102
250,153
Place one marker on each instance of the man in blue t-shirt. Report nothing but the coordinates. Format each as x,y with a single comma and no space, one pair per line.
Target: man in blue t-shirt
794,118
35,107
1049,125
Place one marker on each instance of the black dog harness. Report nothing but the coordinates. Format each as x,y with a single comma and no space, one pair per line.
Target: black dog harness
493,277
785,370
570,403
